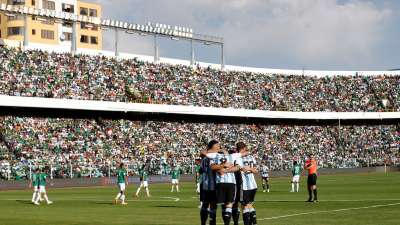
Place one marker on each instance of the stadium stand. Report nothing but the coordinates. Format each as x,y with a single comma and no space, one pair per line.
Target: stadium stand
38,73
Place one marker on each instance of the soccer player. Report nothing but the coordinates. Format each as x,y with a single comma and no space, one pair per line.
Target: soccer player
249,185
35,184
175,176
224,167
208,194
296,171
265,177
42,188
311,167
198,175
122,177
143,181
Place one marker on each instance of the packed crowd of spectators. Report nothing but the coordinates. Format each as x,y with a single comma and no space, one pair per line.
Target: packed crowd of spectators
55,75
94,147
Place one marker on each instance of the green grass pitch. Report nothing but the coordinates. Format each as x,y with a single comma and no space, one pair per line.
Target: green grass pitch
344,199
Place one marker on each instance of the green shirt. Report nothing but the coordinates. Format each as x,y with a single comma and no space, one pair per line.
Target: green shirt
198,175
143,175
176,174
42,179
121,175
35,179
296,170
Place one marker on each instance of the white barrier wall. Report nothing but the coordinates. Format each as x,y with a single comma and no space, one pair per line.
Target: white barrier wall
53,103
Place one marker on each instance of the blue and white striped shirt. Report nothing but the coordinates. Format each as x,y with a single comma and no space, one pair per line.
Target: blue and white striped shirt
226,177
248,179
264,171
208,176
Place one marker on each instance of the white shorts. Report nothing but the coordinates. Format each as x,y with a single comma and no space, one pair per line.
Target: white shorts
121,186
144,184
175,181
42,189
35,188
296,178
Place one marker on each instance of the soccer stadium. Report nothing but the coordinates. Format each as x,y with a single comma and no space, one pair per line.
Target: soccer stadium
97,128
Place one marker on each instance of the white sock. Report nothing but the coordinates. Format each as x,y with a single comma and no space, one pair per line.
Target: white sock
172,188
46,198
147,192
118,196
177,188
34,196
292,187
138,190
123,198
297,185
38,197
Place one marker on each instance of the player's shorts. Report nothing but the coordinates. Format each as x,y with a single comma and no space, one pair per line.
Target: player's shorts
42,189
265,178
208,196
121,186
35,188
312,179
296,179
144,184
175,181
248,196
226,193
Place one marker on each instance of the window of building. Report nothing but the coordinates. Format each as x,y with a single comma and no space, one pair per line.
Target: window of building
95,27
93,12
48,21
33,32
47,34
84,39
83,11
67,24
83,26
15,17
94,40
68,8
67,36
49,5
33,2
15,31
16,2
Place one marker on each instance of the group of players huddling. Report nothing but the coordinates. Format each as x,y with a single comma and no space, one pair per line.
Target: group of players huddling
228,179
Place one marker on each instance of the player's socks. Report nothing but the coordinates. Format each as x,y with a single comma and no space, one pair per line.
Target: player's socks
292,187
137,192
47,199
315,195
123,198
263,186
297,187
227,216
172,188
177,188
118,196
147,192
213,217
309,194
235,215
253,216
34,196
246,217
204,214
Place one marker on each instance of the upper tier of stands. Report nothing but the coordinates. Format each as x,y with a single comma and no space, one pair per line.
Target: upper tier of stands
36,73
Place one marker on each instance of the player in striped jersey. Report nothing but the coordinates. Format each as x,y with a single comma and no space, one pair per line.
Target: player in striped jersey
249,185
224,166
208,195
265,177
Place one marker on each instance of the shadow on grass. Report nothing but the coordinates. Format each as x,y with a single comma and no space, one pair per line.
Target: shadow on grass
25,202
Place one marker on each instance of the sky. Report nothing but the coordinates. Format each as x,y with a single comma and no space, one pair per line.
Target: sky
285,34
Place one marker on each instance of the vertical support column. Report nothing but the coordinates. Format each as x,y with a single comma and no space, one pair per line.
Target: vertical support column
192,57
156,56
222,57
116,42
74,38
26,33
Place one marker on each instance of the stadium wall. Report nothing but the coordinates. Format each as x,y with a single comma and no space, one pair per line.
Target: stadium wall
105,181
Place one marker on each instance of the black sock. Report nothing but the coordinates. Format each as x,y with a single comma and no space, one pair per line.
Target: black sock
263,185
203,215
253,217
315,195
213,217
227,216
246,218
235,216
268,186
309,194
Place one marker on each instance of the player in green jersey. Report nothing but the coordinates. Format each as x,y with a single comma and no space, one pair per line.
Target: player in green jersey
122,179
143,174
42,188
296,171
175,176
34,183
198,176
